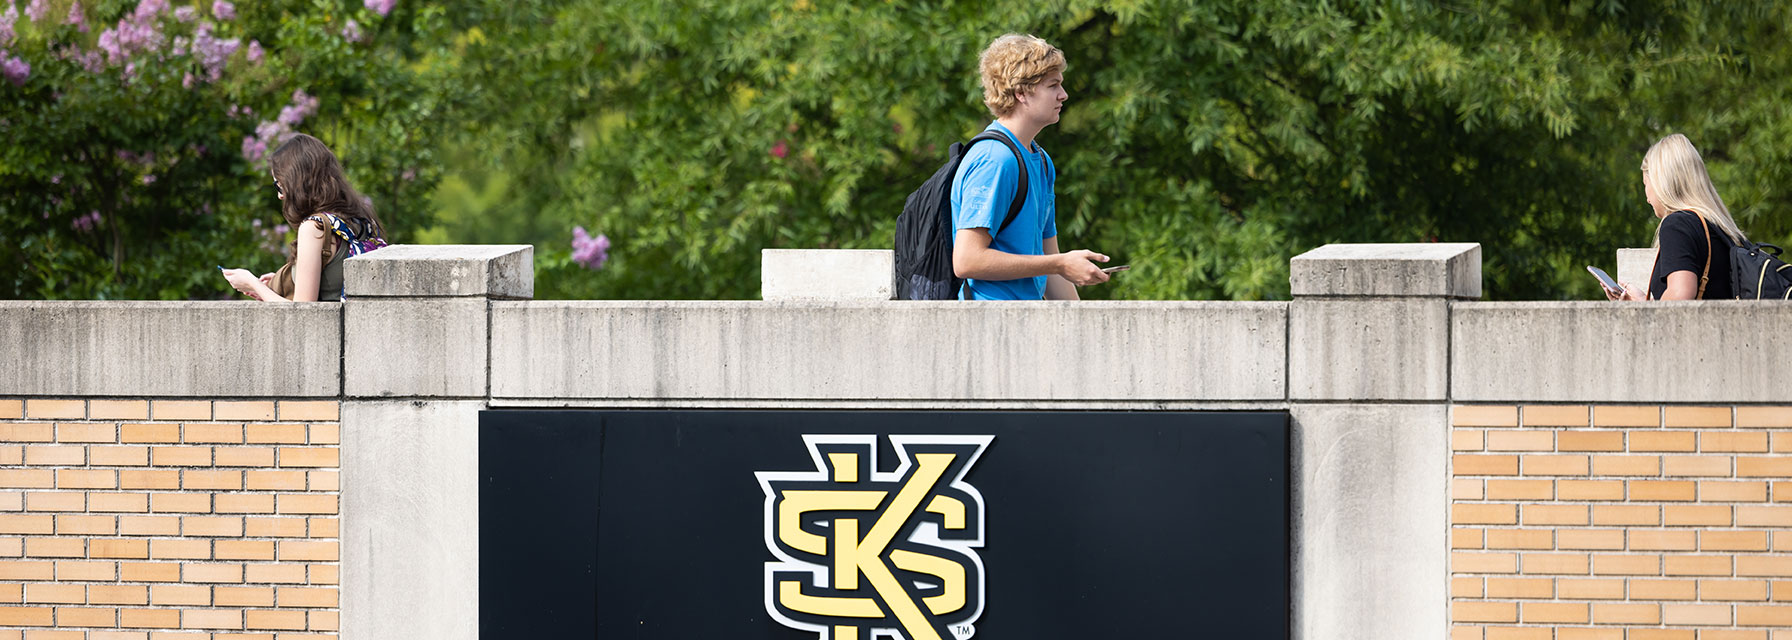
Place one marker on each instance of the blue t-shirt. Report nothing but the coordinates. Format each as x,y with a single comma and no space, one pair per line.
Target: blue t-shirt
981,194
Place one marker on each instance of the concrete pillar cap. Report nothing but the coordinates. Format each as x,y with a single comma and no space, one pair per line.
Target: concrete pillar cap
443,271
1432,269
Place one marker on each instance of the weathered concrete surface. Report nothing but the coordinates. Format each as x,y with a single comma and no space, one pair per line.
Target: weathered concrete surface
1140,351
1371,550
259,349
416,347
451,270
1634,266
1368,349
1710,352
410,519
826,274
1446,269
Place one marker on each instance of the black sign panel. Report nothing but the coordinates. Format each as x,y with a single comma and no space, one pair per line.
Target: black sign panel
860,525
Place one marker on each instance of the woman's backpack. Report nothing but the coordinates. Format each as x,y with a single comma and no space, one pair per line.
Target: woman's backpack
1756,271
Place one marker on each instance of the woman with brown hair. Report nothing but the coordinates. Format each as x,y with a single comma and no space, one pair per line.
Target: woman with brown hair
333,221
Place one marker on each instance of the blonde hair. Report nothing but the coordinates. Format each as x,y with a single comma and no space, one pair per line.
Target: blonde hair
1676,173
1012,64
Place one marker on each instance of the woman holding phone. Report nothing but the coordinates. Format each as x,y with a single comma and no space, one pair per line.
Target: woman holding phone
333,221
1696,232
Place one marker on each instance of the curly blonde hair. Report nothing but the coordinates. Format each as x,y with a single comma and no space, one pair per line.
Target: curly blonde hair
1015,63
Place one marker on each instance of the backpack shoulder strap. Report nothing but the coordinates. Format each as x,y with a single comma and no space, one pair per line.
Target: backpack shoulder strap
1705,275
1020,191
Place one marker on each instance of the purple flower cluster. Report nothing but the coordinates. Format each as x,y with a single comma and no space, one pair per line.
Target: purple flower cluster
255,52
270,134
135,33
76,17
186,13
87,222
589,251
16,70
223,10
212,52
6,21
37,10
381,7
351,31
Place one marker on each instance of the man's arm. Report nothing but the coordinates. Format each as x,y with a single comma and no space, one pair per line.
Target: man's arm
972,258
1056,287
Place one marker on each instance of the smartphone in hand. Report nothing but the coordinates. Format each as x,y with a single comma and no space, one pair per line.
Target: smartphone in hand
1606,280
1123,267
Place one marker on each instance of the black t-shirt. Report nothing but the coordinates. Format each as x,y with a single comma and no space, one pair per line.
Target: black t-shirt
1683,248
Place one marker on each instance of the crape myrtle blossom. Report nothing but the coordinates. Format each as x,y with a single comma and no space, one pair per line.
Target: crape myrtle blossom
37,10
270,134
134,34
212,52
381,7
76,17
16,70
255,52
186,14
589,251
223,10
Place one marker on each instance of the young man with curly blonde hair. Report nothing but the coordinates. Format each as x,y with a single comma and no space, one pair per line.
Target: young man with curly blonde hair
1023,86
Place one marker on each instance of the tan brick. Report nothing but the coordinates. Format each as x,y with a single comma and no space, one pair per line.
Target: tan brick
1586,589
1554,416
1520,539
1467,440
55,547
1553,564
1756,467
118,409
1767,566
180,549
86,617
180,595
1664,590
253,410
12,409
150,572
1483,514
324,527
1632,515
1589,490
1675,565
1521,588
203,526
1736,590
323,480
1678,515
1733,634
181,456
1767,615
1760,516
86,479
245,550
294,503
275,527
1619,613
208,572
57,501
1466,538
42,432
271,480
1663,540
118,456
1733,541
1702,417
149,618
26,616
311,551
28,478
1626,565
12,455
60,456
1663,442
1720,491
1549,514
12,501
1553,612
1484,416
86,433
245,457
245,503
1590,441
1695,614
53,593
307,597
1780,417
1781,590
118,549
1520,489
326,574
180,410
79,525
1626,465
149,433
243,596
1663,490
1502,633
1550,465
1716,466
87,571
1484,611
1515,440
1782,492
211,433
1590,539
211,480
180,502
309,457
1626,416
1466,588
211,619
148,526
297,411
275,574
1733,442
322,620
56,409
27,524
277,434
326,433
1478,465
275,619
13,570
148,479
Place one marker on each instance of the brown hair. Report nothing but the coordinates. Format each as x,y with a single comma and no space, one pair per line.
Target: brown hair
313,182
1014,64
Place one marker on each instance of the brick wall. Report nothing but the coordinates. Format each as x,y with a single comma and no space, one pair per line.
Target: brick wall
192,519
1621,522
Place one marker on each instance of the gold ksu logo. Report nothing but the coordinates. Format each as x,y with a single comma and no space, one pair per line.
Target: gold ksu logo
863,553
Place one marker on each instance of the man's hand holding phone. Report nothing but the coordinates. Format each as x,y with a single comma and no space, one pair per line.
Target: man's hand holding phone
1079,267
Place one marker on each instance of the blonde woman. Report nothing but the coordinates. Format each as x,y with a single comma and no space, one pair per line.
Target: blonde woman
1696,230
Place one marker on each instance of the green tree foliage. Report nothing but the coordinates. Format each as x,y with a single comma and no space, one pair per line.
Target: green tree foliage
1204,142
134,146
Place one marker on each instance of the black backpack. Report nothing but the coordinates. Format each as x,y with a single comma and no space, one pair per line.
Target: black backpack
1756,271
924,230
